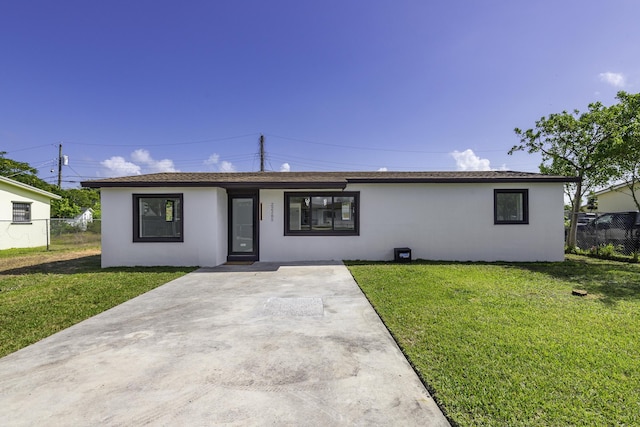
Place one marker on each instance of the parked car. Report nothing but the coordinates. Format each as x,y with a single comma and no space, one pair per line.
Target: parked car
586,217
621,229
583,218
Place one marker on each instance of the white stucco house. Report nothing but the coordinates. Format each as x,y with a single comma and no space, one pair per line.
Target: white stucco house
82,219
617,198
207,219
24,215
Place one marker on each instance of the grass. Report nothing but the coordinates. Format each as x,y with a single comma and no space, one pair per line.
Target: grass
507,344
75,240
496,344
41,295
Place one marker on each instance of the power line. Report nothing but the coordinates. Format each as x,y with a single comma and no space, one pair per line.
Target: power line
164,145
289,158
29,148
373,149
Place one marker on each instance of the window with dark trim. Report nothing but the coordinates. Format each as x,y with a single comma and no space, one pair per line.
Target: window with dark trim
21,212
321,213
511,206
157,218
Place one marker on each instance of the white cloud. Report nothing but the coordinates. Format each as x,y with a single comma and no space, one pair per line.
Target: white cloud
214,163
118,166
383,169
141,162
164,165
141,156
152,165
285,167
212,160
614,79
468,161
227,167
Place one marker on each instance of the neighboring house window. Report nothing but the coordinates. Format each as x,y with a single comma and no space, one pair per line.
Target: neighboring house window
321,213
511,206
21,212
157,218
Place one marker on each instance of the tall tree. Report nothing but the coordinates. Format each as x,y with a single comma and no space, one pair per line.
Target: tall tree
12,167
23,172
73,200
628,158
575,144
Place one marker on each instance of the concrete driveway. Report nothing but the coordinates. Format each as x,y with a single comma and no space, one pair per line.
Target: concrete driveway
266,344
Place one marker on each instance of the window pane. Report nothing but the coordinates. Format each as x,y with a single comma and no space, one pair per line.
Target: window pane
509,207
321,213
21,212
159,217
344,213
299,209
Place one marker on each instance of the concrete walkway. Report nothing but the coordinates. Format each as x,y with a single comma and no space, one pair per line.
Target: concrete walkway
265,344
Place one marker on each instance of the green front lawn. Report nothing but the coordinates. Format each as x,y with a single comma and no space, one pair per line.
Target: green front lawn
39,300
508,344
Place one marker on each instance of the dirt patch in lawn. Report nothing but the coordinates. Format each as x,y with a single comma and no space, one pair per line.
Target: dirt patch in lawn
36,262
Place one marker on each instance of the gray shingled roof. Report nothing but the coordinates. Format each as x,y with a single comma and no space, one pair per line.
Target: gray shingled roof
314,179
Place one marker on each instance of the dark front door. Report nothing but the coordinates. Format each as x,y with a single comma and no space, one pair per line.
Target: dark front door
243,227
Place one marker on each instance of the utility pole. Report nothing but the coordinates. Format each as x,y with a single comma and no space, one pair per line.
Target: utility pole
60,166
62,161
261,153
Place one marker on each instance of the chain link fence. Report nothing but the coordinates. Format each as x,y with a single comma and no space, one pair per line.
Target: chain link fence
72,233
618,229
54,234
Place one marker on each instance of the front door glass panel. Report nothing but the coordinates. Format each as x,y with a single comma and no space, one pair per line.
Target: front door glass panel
242,210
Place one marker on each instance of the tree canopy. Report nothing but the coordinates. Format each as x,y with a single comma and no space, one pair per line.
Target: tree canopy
22,172
628,157
73,200
576,144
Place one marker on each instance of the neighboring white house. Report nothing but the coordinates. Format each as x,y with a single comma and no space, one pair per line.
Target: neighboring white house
24,215
617,198
82,219
207,219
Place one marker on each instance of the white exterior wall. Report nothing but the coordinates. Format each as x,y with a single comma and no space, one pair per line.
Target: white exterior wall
619,200
437,221
205,229
28,235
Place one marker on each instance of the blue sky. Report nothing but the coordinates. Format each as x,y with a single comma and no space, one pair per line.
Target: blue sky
132,87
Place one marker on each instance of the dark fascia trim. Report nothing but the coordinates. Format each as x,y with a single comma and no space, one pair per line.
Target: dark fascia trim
226,185
341,185
323,184
458,180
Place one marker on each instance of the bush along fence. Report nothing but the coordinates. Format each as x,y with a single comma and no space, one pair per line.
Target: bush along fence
610,234
54,233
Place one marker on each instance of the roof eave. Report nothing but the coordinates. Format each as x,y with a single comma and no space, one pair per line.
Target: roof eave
331,181
225,185
458,180
30,188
